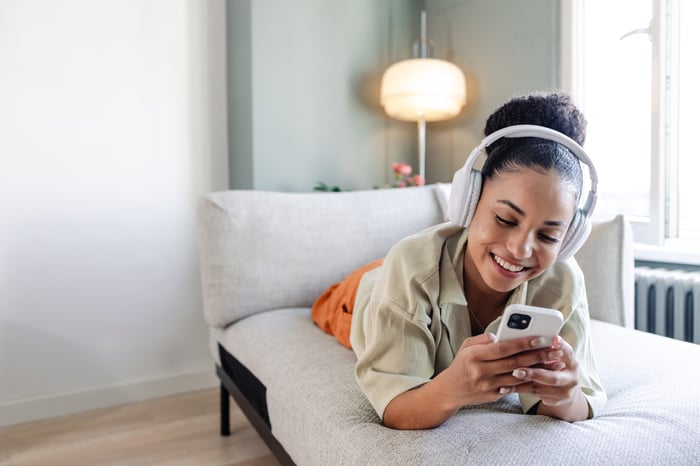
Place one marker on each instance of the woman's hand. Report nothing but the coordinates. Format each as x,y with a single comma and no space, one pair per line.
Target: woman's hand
555,384
482,371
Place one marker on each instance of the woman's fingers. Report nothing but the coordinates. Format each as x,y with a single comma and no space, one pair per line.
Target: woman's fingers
556,382
503,357
482,339
514,366
553,378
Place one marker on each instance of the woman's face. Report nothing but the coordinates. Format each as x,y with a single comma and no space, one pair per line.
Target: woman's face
516,233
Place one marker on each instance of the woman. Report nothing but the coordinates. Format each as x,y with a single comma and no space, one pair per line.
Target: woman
423,323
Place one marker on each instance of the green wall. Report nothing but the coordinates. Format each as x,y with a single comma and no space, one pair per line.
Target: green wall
304,91
304,84
505,48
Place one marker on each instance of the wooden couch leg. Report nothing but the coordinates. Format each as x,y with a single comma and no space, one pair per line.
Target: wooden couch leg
225,410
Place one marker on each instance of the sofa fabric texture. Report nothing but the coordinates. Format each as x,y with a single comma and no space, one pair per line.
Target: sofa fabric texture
265,257
319,414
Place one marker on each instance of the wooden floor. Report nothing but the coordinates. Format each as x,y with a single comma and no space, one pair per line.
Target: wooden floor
176,430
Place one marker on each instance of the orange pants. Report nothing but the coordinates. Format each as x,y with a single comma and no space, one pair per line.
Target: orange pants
332,311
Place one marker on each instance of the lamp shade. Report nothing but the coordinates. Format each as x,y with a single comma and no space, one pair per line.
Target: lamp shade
423,87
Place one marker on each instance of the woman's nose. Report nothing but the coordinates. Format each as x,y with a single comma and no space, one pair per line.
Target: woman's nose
520,245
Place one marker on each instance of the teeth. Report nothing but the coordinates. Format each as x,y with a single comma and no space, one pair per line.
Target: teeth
507,266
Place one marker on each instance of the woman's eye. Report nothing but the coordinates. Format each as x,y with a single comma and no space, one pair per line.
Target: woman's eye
549,239
543,236
505,222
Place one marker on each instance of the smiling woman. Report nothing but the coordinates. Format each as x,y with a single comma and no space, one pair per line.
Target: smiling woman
423,322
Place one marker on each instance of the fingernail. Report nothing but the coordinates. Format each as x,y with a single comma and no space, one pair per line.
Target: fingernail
519,373
539,341
504,390
559,366
555,355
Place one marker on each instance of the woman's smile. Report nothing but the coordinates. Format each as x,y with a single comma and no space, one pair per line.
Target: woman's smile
507,266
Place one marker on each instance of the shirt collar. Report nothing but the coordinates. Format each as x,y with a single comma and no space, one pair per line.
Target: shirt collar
451,266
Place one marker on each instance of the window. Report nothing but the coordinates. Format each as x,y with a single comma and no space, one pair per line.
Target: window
630,66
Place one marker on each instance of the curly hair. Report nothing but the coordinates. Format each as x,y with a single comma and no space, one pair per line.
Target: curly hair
554,110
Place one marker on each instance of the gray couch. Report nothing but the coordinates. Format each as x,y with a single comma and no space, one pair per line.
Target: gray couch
266,256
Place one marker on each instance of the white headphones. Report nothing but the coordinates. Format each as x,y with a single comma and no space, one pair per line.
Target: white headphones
466,185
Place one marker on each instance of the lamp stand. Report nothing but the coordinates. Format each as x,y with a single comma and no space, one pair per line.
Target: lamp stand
421,147
423,50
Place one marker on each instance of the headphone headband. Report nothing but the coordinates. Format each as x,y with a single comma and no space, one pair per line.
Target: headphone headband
542,132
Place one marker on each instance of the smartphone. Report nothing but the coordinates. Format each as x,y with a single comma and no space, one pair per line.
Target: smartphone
522,320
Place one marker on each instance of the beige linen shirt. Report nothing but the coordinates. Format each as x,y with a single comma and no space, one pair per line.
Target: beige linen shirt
410,316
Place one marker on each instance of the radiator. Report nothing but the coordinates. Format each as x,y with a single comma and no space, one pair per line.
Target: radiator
667,302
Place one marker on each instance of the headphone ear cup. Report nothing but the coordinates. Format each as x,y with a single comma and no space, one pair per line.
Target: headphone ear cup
577,234
455,208
472,197
463,199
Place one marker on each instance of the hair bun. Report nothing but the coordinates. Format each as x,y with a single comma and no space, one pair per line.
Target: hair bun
554,110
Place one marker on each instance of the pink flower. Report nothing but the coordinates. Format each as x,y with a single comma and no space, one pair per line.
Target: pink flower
404,169
402,175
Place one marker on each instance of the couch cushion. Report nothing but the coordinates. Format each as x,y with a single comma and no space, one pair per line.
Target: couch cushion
320,416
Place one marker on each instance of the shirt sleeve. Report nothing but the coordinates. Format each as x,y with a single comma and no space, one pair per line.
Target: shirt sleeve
395,349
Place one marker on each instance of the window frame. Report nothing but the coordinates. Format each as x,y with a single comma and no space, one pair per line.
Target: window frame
654,236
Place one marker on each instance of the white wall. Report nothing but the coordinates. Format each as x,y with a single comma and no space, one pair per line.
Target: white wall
112,122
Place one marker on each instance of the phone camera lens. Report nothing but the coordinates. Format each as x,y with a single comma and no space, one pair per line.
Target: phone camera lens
519,321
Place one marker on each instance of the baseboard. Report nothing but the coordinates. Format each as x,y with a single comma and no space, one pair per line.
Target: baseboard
32,409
